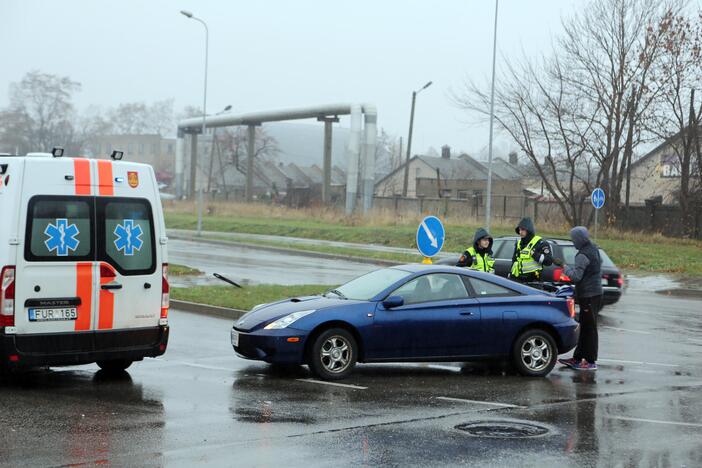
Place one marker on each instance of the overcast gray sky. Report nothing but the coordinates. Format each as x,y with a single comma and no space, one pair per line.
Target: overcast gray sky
267,55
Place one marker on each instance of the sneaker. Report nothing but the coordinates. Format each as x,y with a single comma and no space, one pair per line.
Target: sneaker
584,365
568,362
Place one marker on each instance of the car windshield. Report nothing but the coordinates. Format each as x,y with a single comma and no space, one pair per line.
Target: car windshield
370,285
569,252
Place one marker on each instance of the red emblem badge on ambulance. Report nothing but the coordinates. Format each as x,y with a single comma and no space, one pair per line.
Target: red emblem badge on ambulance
133,179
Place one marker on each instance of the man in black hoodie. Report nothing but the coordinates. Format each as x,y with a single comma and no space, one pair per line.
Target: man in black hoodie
531,254
479,255
586,274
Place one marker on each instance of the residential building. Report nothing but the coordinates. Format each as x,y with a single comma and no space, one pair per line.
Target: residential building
656,175
445,177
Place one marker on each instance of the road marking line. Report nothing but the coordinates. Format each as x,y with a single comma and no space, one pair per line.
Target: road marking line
477,402
656,421
628,330
334,384
638,362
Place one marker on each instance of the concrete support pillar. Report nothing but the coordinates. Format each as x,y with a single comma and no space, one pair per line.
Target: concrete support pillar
251,153
180,164
193,165
370,136
327,163
353,153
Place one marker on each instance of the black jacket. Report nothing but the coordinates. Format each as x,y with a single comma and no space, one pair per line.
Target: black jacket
541,248
586,274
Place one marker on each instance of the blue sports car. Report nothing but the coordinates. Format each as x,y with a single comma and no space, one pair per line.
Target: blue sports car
411,313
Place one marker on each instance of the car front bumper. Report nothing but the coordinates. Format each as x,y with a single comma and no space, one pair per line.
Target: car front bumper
67,349
272,346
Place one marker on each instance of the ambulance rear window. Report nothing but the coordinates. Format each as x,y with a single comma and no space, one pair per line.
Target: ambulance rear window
59,229
126,231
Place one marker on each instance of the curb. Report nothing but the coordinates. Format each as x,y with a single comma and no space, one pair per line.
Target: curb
284,250
204,309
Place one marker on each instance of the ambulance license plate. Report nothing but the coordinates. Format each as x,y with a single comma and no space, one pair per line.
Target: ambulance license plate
48,315
235,338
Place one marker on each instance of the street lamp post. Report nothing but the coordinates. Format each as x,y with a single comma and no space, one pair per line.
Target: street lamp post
409,138
488,205
193,162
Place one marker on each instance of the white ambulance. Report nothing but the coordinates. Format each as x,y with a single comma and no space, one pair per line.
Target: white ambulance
83,262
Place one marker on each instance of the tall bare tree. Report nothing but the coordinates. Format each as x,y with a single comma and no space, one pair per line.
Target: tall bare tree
577,114
41,113
679,111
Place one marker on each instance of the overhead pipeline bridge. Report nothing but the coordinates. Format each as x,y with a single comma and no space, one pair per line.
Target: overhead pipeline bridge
361,146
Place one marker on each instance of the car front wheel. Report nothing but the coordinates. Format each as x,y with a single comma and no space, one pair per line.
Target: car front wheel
333,354
534,353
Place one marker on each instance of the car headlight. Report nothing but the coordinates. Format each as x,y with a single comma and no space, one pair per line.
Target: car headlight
288,320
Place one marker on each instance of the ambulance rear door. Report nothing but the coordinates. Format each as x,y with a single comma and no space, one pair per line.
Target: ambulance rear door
56,269
128,247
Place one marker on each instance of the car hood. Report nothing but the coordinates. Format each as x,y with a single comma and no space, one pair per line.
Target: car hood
276,310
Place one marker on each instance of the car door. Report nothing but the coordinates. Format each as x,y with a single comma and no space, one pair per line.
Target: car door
438,319
503,249
499,308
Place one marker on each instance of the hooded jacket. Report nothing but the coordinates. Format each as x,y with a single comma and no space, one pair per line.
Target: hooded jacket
541,247
479,234
586,274
469,258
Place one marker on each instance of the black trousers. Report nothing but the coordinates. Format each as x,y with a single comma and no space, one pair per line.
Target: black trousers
588,341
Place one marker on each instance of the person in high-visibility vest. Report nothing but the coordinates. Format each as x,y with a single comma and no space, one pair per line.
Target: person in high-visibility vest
479,255
531,254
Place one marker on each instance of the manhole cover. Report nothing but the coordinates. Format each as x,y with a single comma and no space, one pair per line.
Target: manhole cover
502,429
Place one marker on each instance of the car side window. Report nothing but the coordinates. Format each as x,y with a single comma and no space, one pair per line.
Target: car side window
433,287
504,250
484,288
496,247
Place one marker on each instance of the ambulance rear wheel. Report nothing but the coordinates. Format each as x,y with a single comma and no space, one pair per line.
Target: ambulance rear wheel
114,365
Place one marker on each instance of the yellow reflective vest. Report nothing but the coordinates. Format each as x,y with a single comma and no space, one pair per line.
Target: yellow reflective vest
525,263
482,262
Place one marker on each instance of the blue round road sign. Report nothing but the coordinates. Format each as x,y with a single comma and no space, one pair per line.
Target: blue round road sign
598,198
430,236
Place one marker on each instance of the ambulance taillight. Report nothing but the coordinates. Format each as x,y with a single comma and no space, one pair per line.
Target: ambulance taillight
7,297
165,295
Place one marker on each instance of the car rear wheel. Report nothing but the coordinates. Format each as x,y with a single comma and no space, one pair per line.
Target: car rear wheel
534,353
114,365
333,354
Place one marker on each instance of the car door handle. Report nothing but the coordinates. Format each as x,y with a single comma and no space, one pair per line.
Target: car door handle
467,312
111,286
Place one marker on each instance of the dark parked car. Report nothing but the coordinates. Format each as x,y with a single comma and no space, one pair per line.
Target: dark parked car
503,248
412,313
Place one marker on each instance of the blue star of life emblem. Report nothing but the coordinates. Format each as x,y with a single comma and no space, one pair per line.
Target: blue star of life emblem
128,237
62,237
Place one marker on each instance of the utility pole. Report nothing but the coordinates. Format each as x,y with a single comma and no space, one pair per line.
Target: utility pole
409,138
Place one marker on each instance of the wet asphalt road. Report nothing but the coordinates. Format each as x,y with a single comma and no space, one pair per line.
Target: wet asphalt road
201,405
254,266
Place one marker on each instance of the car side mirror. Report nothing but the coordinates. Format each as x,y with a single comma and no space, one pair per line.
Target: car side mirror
393,301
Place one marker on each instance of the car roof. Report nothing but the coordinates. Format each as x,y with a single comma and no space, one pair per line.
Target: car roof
555,240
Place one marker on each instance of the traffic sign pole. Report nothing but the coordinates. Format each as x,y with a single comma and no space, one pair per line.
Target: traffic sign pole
596,211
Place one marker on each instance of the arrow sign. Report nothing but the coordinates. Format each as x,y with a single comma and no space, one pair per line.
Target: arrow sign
597,198
430,236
